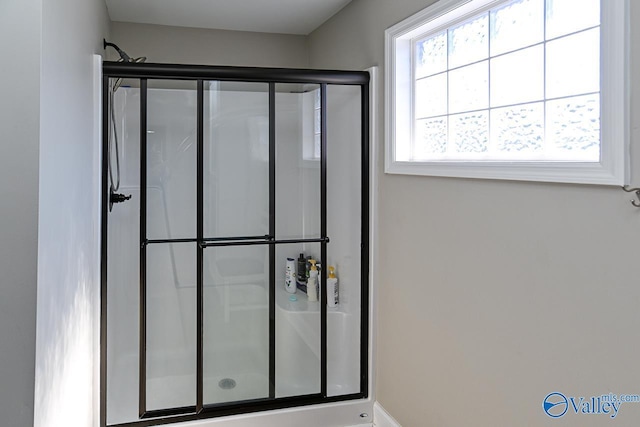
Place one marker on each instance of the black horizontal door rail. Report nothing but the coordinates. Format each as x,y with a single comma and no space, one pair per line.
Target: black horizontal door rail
244,74
204,239
265,242
237,241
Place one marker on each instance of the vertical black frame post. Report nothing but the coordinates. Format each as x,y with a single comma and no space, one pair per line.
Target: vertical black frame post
104,233
323,235
272,234
199,248
142,385
364,248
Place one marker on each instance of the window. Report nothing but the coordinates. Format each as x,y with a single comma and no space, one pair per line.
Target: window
517,89
311,125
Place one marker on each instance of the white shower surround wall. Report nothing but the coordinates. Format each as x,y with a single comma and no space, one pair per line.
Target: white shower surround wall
297,341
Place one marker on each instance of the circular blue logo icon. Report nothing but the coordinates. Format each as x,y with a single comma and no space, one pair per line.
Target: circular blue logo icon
555,405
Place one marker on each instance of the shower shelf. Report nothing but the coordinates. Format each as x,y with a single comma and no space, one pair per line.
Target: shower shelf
302,305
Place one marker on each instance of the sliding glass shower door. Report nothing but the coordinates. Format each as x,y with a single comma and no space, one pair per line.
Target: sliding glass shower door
235,209
213,191
228,180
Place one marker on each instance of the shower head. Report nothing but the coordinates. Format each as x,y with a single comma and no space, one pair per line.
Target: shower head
123,58
123,55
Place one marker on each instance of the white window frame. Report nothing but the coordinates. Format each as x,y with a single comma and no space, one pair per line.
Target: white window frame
613,168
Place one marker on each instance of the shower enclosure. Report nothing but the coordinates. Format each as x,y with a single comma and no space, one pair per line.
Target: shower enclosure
231,171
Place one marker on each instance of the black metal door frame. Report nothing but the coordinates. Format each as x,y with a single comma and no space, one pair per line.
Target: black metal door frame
272,76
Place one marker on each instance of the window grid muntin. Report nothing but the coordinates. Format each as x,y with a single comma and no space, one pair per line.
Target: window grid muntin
516,104
451,155
422,38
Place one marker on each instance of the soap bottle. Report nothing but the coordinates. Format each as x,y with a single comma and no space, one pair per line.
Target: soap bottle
290,276
312,283
332,288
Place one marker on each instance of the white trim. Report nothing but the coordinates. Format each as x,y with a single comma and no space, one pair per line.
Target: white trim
373,224
614,48
97,209
613,169
381,418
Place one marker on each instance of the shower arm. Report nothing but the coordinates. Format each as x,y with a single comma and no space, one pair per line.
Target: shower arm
123,55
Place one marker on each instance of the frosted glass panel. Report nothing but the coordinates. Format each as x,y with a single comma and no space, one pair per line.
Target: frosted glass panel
171,325
431,96
236,159
518,77
236,323
567,16
469,132
573,64
518,129
469,88
516,25
469,42
431,137
431,55
573,125
171,160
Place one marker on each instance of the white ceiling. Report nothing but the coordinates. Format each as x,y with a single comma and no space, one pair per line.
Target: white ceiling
269,16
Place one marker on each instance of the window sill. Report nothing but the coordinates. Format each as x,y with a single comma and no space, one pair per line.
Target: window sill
562,172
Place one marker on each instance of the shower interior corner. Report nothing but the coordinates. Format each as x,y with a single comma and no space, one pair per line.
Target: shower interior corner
236,279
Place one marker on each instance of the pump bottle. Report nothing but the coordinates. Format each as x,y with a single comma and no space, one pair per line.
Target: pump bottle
332,288
312,283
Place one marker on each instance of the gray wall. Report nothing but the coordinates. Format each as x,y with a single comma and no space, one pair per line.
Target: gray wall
178,45
19,139
494,294
69,221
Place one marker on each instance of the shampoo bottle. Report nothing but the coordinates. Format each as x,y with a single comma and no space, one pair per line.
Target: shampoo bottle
312,283
290,276
332,288
302,269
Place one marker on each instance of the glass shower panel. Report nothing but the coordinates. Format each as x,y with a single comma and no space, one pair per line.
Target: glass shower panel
171,325
297,161
298,328
236,159
171,159
236,323
344,218
123,263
